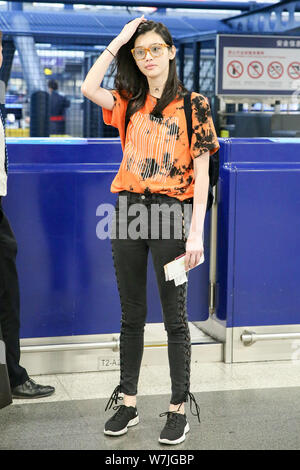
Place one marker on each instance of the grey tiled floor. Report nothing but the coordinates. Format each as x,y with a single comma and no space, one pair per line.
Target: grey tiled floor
230,419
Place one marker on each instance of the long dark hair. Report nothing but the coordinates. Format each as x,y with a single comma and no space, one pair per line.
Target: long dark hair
132,84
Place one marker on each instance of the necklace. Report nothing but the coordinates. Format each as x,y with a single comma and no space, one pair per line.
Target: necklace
156,89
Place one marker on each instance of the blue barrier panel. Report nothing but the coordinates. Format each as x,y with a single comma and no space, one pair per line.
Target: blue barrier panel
258,232
67,279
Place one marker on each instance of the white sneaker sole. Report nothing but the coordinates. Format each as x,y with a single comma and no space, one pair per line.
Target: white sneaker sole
132,422
180,439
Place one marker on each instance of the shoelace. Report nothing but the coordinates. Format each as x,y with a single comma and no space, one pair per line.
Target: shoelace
192,399
121,409
171,420
114,398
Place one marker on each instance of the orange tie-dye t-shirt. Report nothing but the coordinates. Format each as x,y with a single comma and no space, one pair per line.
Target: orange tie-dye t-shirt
157,156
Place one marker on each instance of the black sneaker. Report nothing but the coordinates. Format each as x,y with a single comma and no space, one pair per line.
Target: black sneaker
125,417
175,428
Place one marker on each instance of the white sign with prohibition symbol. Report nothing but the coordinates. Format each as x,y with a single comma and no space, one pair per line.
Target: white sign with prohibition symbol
260,68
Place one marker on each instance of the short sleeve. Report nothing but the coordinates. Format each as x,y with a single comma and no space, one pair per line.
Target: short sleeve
204,137
116,116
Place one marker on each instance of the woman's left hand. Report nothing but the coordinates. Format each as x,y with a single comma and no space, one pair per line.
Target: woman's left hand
194,250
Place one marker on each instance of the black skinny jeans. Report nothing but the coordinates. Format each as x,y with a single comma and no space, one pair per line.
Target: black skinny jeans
130,261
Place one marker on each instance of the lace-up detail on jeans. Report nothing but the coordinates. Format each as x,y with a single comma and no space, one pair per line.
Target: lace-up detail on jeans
181,302
114,399
182,310
182,313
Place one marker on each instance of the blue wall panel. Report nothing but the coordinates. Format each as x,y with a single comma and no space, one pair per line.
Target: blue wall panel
266,269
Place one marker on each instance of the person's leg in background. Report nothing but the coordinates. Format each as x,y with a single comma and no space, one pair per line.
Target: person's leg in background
10,302
22,386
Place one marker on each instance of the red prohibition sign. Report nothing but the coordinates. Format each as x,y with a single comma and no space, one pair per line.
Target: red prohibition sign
294,70
235,69
275,68
255,69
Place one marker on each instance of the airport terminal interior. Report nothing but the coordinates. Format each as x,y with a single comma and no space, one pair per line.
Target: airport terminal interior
242,302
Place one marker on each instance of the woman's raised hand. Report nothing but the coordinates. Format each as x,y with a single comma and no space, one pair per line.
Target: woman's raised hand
130,28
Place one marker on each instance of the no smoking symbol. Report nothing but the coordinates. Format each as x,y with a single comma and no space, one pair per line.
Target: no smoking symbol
235,69
294,70
255,69
275,70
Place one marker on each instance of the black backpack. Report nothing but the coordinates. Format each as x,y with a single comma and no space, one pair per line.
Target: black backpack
214,162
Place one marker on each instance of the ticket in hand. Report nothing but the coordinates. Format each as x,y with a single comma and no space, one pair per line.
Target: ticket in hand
176,269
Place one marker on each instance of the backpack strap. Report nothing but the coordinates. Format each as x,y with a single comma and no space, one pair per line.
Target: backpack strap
126,121
188,115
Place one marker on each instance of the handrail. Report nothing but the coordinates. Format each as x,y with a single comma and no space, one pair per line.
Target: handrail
250,337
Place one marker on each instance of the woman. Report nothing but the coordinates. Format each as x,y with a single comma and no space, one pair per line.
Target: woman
158,167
